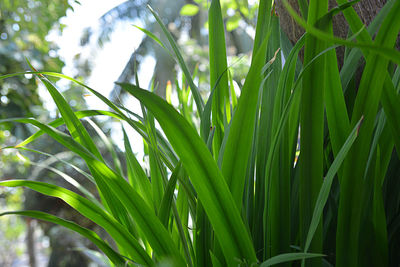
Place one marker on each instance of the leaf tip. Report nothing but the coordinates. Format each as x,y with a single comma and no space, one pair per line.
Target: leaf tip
359,124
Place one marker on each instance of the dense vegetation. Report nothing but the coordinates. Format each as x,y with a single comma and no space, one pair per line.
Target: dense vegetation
302,166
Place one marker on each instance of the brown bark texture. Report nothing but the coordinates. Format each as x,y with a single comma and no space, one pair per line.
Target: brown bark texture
366,9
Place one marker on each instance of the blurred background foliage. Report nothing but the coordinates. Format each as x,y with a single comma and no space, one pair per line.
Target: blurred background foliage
187,21
24,26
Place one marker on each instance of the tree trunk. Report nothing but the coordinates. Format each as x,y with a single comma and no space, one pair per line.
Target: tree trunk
30,242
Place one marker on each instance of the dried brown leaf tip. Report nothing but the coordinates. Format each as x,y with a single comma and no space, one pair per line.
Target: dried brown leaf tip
359,126
273,11
41,75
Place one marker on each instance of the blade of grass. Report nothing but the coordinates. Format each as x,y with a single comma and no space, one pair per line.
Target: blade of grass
336,111
379,219
233,93
389,99
203,237
118,114
262,27
326,185
375,243
218,66
157,172
185,209
137,177
165,207
152,36
285,83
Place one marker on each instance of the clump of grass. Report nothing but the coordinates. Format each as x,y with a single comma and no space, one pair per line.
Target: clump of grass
250,203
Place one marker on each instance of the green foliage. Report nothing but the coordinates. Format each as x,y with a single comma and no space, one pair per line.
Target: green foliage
231,187
24,26
189,10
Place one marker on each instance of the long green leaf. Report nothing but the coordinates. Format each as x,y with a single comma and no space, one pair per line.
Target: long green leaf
166,202
336,110
218,66
136,175
289,257
326,185
152,36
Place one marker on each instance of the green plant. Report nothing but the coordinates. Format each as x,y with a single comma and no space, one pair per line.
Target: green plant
228,192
